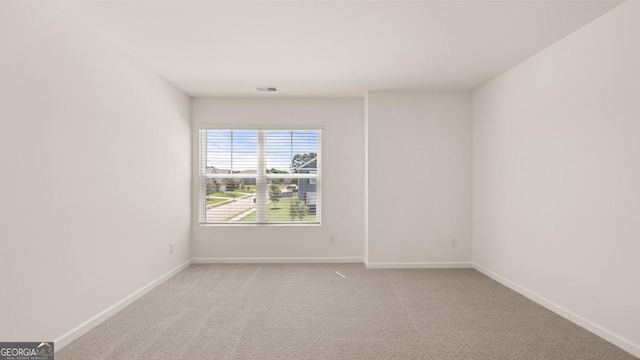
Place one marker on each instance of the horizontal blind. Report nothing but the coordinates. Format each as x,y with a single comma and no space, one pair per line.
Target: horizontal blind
260,176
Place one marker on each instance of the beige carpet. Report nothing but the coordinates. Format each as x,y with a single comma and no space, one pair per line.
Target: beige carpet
308,311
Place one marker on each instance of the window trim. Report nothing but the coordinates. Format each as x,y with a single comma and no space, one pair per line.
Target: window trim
202,176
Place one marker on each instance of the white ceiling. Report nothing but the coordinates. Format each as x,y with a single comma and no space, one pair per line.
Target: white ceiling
338,48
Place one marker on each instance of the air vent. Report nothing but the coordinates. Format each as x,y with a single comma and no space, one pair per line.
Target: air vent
267,88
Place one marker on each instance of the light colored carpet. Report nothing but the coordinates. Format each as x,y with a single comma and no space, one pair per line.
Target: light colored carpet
308,311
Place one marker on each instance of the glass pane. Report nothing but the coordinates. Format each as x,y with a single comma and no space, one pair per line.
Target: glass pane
286,150
290,200
230,200
232,151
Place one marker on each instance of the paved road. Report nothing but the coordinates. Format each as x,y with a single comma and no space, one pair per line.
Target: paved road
223,212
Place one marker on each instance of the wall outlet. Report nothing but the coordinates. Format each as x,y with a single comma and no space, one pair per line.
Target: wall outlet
171,249
454,242
332,239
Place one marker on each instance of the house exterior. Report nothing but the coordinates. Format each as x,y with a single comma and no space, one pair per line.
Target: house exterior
249,181
307,188
219,185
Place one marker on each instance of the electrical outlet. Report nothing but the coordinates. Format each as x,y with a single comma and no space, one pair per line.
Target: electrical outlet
171,249
454,242
332,239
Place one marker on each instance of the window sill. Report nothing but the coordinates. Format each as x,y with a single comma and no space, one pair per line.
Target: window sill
258,225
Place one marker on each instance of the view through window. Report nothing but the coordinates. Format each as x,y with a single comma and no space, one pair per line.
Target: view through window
260,176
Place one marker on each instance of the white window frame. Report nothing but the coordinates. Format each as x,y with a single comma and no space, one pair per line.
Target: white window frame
261,178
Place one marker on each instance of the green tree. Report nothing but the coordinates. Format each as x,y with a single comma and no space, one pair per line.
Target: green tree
297,209
276,171
231,185
211,188
299,159
274,193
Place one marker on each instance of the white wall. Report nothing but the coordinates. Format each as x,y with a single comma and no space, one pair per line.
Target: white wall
342,180
95,173
419,178
557,174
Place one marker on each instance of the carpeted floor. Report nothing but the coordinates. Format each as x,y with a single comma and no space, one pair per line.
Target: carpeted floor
308,311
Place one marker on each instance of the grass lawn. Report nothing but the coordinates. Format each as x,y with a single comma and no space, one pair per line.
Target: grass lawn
224,194
219,197
282,187
215,201
278,213
232,194
247,189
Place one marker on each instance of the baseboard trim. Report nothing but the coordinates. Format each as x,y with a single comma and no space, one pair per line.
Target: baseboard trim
420,265
278,260
86,326
620,341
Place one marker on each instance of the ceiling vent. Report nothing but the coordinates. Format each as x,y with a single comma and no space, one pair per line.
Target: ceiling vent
267,88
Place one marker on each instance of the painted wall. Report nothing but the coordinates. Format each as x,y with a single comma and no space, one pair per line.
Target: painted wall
95,173
342,180
557,174
419,177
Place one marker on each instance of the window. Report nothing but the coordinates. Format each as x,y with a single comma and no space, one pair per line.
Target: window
260,177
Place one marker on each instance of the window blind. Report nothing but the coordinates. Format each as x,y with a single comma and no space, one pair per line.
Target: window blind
260,176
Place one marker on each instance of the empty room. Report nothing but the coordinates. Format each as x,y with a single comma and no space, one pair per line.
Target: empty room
353,180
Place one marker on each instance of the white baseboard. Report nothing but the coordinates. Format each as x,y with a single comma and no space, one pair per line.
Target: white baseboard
278,260
83,328
420,265
311,260
604,333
